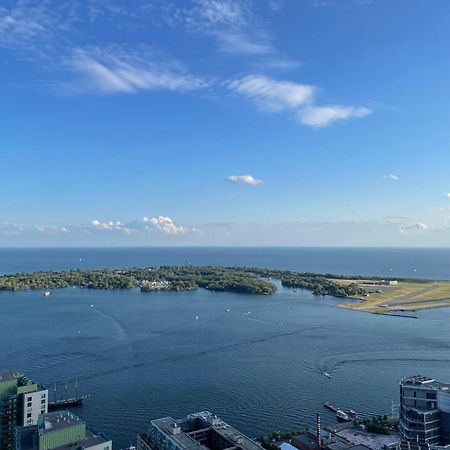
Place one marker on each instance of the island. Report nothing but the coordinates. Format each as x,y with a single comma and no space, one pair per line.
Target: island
369,294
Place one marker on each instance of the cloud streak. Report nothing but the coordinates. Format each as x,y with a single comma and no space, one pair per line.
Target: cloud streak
279,95
323,116
392,177
116,71
245,179
272,95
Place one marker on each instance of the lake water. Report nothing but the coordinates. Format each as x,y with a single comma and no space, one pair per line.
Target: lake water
259,366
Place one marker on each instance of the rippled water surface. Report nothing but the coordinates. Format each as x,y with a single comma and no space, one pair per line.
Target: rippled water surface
260,366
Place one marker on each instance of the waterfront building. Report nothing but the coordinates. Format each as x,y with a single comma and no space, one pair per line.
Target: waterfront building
60,431
202,430
424,410
21,403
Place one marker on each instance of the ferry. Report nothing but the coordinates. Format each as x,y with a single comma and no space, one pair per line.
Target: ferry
341,415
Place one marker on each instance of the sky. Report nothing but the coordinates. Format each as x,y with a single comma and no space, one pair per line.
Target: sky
224,122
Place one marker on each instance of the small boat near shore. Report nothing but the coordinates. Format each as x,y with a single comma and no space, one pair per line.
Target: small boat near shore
47,293
342,416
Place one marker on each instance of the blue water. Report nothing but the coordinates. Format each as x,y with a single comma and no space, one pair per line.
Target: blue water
414,262
259,366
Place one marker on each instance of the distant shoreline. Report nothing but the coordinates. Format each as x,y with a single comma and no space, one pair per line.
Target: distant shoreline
369,294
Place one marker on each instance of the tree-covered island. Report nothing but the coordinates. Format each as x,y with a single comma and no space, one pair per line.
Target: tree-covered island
180,278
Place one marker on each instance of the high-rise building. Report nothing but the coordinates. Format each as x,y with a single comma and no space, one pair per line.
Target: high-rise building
21,403
424,410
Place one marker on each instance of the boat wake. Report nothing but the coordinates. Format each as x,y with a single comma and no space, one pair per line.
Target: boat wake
327,372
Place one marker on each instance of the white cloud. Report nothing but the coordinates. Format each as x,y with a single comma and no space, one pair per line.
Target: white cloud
276,5
161,224
117,71
322,116
391,176
245,179
213,13
272,95
230,22
9,228
275,96
417,227
447,194
166,225
52,229
240,43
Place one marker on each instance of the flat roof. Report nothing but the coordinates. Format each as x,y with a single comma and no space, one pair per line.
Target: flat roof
10,374
207,421
90,440
57,420
424,381
182,439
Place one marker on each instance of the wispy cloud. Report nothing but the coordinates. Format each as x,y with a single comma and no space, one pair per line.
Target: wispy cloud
323,116
52,35
8,228
392,177
272,95
231,23
245,179
117,71
241,43
279,95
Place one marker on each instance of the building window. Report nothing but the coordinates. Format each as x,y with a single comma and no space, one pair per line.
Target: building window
28,415
29,399
43,401
42,395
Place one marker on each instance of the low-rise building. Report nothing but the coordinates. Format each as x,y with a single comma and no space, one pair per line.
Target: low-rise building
60,431
199,431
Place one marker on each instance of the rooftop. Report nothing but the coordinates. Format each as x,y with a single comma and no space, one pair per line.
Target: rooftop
57,420
8,375
90,440
201,430
423,381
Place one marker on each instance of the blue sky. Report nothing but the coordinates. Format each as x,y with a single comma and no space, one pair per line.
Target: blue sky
224,122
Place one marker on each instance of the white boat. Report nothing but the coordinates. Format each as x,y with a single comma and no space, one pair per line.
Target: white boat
46,293
228,310
327,374
341,415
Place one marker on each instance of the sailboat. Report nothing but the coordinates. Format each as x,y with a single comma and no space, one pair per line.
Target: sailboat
66,402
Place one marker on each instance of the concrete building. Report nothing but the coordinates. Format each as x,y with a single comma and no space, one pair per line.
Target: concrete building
21,403
199,431
424,410
60,431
